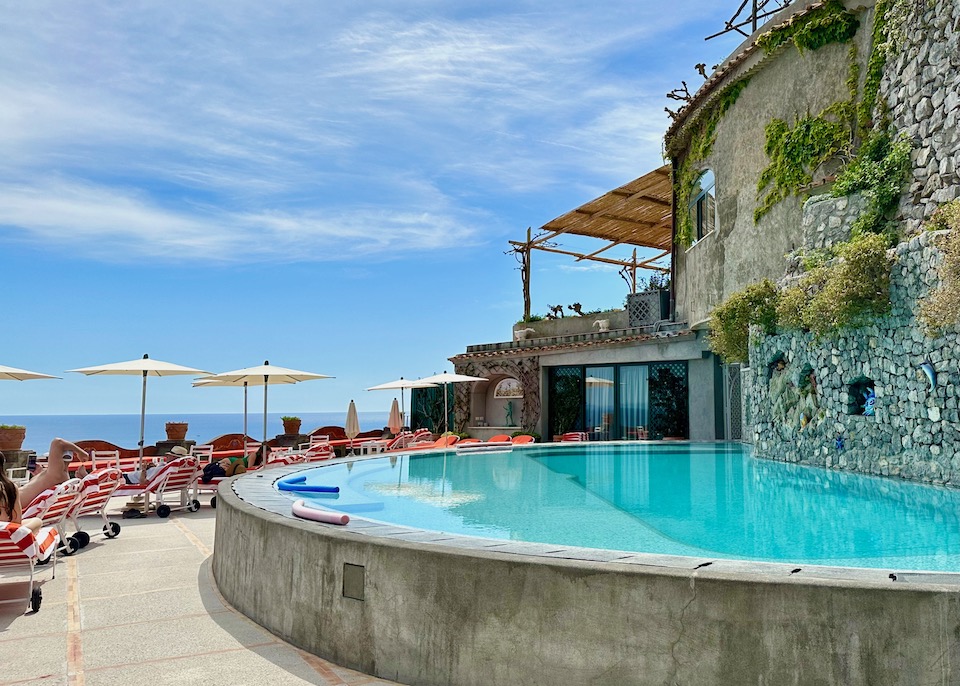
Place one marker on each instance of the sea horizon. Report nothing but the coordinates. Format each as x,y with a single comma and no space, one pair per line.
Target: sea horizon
124,429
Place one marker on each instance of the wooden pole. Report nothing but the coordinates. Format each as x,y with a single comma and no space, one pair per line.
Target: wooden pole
525,273
633,273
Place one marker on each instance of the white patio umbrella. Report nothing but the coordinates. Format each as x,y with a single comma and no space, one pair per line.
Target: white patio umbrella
395,421
217,383
447,378
267,374
143,367
352,426
402,384
14,374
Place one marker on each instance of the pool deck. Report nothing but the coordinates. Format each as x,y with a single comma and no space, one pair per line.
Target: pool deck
142,608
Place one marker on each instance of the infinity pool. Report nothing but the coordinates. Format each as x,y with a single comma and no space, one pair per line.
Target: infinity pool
710,500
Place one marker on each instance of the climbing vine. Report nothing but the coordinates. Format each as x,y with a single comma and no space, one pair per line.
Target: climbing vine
795,153
879,171
829,23
703,134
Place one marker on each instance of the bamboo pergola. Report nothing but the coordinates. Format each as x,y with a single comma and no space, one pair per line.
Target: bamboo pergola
639,213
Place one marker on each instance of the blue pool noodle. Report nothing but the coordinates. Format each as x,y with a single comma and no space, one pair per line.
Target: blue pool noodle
298,484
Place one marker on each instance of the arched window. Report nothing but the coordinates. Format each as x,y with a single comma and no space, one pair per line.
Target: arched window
703,205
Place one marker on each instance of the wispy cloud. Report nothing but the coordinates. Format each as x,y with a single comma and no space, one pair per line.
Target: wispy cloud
240,128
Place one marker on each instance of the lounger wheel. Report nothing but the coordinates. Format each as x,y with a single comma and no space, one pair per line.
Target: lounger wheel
35,599
111,530
193,506
83,538
213,502
71,545
163,511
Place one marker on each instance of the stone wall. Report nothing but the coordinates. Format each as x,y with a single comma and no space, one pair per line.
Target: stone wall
921,87
914,431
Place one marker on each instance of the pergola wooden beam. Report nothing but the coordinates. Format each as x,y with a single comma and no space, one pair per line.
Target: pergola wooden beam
638,213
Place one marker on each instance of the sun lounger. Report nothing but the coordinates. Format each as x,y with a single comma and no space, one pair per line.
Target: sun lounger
405,439
499,438
96,489
475,447
442,442
176,477
574,437
522,439
20,549
51,507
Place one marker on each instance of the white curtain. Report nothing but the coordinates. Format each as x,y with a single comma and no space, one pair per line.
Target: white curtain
599,401
634,407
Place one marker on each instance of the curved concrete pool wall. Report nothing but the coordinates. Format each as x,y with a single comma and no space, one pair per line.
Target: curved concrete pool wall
434,614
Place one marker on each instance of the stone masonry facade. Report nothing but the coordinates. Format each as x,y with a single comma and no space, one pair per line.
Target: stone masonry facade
807,400
914,431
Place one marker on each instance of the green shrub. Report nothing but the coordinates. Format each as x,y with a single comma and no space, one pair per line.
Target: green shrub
854,289
941,309
945,217
731,320
12,426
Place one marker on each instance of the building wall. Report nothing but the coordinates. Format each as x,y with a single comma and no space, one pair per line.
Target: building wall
786,85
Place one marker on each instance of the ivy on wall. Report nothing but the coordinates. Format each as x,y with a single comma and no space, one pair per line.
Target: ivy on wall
795,153
829,23
879,171
704,133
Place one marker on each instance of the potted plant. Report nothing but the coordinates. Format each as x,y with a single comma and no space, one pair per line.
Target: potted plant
176,431
291,425
11,436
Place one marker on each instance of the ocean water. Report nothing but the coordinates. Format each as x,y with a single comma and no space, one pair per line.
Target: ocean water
124,429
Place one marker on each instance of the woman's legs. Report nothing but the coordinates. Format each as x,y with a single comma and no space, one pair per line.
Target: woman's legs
53,474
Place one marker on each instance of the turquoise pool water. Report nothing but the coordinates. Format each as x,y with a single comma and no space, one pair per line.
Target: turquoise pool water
711,500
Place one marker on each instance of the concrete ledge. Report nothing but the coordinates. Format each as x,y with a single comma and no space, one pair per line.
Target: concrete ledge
433,613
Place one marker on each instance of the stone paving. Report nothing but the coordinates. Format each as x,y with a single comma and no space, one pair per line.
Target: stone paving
142,608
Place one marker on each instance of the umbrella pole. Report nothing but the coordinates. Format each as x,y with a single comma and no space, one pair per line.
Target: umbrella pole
143,415
266,377
244,420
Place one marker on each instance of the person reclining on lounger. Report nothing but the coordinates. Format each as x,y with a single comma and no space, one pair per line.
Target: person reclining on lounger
55,473
149,469
223,468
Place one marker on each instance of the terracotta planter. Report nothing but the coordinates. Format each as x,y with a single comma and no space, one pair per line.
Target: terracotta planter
176,431
291,426
12,439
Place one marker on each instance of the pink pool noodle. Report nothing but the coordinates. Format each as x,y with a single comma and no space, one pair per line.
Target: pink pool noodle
300,509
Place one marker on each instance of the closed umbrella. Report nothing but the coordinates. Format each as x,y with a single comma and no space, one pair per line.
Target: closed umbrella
402,384
447,378
394,421
143,367
352,425
267,374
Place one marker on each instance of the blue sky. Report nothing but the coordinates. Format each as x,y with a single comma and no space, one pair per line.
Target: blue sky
330,186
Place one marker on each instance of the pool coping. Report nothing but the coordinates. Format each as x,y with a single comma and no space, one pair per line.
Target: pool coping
259,492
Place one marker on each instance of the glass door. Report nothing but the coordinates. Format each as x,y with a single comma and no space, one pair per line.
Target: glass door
633,403
599,406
